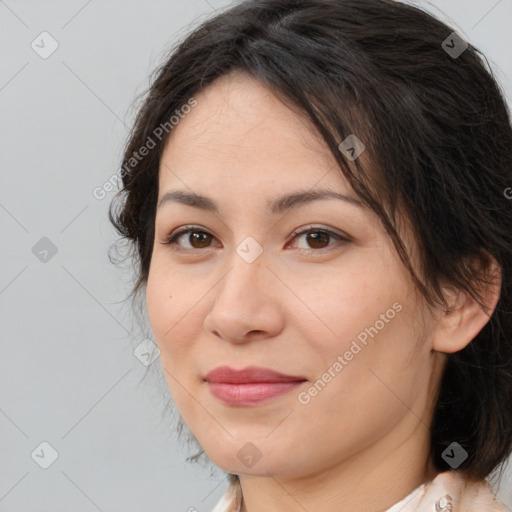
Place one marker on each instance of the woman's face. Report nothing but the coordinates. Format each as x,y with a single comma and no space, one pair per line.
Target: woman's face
332,305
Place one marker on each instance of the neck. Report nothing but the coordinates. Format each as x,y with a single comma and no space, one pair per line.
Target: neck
372,480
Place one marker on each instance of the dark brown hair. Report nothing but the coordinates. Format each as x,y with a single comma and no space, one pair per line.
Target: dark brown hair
437,131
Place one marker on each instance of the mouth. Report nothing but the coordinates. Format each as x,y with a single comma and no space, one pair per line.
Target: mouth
250,385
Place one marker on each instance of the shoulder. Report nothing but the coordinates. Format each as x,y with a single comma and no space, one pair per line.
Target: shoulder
453,491
480,496
226,502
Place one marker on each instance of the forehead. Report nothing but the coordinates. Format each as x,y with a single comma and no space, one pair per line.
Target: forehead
240,127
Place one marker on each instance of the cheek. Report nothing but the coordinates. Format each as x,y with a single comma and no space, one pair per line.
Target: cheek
364,316
362,390
175,312
164,317
158,303
336,306
163,307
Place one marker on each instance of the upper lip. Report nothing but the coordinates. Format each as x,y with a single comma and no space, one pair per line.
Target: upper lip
228,375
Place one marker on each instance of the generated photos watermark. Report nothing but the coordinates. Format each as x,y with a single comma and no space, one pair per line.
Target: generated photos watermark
304,397
115,180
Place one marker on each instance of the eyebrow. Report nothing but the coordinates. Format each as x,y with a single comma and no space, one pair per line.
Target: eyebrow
274,206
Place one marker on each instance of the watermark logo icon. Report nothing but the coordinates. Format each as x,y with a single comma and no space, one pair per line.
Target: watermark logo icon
146,352
454,455
44,455
44,45
352,147
454,45
249,249
44,250
249,455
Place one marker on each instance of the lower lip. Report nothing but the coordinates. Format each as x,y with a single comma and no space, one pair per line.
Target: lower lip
252,393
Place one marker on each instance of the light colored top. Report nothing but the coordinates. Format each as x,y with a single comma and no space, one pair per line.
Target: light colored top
447,492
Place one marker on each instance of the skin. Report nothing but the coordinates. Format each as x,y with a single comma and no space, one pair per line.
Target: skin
294,311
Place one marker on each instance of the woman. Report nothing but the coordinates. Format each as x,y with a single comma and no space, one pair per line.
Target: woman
315,190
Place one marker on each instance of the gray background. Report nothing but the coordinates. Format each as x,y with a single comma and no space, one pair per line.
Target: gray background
68,373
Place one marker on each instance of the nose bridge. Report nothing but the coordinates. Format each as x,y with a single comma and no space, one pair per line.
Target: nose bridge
246,274
242,302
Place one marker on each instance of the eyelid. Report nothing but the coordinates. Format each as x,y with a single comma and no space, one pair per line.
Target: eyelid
312,227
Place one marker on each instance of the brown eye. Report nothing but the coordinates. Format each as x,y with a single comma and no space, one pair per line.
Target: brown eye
200,238
196,239
318,239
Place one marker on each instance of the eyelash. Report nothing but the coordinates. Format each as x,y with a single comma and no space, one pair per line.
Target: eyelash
172,239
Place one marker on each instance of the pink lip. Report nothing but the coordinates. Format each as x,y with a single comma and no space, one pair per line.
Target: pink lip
250,385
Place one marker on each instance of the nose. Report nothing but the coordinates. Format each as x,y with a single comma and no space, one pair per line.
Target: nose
247,303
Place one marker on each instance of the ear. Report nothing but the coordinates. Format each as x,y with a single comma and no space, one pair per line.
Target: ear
464,317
